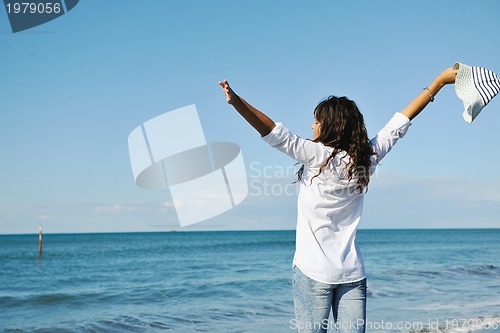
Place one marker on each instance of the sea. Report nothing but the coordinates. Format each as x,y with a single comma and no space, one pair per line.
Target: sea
429,280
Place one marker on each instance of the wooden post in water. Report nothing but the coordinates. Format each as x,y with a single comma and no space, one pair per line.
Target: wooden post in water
40,240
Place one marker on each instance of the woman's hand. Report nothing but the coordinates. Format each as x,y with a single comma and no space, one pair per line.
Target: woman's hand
230,95
448,76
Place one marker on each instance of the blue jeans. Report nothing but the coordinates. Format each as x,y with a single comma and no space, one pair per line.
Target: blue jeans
313,301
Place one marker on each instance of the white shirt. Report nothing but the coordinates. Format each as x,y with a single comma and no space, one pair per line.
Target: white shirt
330,208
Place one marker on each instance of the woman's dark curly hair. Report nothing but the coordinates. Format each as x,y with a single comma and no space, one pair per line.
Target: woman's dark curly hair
342,127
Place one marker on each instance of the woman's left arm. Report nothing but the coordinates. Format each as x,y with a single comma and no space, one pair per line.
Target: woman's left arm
421,101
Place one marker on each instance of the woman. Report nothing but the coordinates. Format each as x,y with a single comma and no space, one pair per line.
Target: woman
328,271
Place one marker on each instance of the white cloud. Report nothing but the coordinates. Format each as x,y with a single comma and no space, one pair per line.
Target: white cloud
115,209
85,217
396,200
45,217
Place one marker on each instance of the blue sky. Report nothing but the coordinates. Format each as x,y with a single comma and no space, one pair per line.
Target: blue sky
74,88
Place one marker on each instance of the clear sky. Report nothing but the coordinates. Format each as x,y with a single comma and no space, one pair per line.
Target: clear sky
73,89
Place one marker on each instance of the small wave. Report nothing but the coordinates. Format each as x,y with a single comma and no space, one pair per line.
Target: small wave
44,299
117,325
481,270
127,324
52,299
377,294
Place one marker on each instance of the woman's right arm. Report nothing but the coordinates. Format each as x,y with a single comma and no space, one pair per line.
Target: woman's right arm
262,123
397,127
420,102
276,135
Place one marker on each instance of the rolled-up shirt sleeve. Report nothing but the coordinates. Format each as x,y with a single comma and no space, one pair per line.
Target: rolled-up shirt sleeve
387,137
315,153
301,150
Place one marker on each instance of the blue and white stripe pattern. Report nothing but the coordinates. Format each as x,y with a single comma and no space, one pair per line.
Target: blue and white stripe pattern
486,83
476,87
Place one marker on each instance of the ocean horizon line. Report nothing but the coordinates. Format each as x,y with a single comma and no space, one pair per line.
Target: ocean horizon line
227,230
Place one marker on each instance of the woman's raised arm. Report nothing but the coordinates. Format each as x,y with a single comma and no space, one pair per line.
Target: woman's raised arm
429,92
262,123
